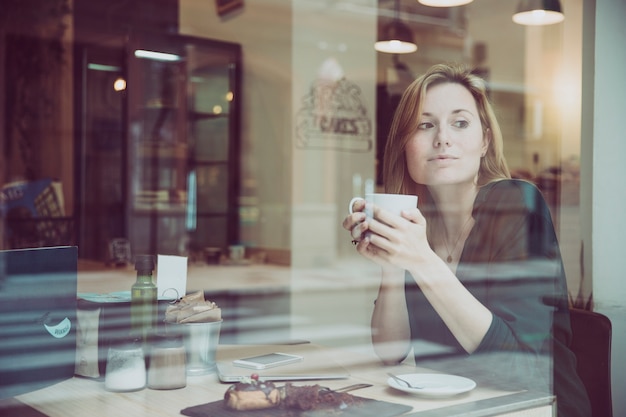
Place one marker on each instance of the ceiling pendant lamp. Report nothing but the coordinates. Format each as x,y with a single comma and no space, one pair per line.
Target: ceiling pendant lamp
538,12
444,3
397,37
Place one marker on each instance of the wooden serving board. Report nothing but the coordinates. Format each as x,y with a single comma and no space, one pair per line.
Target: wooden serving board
366,408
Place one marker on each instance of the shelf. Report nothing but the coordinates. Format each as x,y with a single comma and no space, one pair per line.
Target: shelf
196,116
208,162
154,149
159,106
160,210
161,202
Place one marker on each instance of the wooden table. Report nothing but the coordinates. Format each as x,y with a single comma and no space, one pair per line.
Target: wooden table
244,293
84,397
93,277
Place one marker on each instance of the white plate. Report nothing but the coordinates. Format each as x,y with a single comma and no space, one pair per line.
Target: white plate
433,385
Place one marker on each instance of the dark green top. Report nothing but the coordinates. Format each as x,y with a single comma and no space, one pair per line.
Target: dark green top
512,264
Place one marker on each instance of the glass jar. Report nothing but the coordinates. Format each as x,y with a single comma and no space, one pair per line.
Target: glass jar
167,363
126,366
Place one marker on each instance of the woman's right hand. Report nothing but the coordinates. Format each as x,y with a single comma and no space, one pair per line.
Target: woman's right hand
355,222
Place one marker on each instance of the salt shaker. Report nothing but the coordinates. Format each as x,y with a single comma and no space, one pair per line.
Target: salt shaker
126,366
167,363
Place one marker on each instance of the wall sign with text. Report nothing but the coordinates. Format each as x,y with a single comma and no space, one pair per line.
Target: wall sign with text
333,116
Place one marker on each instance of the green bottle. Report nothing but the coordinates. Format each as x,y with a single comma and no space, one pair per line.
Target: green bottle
143,298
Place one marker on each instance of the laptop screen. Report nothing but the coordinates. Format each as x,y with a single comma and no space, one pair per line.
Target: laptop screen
37,317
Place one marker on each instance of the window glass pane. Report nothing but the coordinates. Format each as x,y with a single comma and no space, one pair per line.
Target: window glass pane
211,232
211,139
212,188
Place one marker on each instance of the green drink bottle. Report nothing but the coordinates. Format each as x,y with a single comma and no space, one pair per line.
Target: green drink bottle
143,298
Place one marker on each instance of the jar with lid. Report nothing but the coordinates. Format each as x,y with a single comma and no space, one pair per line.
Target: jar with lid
126,366
167,360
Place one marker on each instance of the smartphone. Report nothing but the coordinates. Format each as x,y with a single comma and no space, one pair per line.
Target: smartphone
269,360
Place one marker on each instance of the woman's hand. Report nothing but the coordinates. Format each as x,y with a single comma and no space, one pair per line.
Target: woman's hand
398,240
388,239
355,222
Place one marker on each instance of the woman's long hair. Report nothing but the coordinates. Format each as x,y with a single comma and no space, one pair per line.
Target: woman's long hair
396,176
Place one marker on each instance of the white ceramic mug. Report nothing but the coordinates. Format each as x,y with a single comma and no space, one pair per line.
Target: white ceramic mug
395,203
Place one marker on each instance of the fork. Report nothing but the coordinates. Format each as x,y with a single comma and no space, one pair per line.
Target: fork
348,388
405,382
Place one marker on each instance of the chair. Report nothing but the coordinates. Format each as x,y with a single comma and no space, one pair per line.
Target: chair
591,343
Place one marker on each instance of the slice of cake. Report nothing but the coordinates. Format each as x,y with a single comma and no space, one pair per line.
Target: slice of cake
253,394
314,397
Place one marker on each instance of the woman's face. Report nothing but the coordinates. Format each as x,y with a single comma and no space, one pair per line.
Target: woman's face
449,141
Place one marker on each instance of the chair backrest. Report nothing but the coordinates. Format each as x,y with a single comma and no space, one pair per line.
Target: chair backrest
591,343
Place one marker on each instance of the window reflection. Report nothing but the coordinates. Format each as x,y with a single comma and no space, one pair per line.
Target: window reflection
281,201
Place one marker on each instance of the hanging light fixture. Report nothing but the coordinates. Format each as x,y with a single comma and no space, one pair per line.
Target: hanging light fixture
119,84
397,37
444,3
538,12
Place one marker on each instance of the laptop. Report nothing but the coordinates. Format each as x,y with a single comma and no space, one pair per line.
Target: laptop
316,363
37,318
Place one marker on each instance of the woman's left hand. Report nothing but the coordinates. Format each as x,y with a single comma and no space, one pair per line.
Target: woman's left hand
394,240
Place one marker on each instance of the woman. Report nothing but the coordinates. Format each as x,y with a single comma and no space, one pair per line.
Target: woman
477,268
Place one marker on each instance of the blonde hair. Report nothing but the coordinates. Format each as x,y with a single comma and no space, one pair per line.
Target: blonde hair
396,176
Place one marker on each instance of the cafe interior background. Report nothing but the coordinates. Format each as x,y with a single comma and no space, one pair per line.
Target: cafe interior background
273,114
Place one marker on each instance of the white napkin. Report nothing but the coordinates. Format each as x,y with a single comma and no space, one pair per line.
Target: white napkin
171,277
